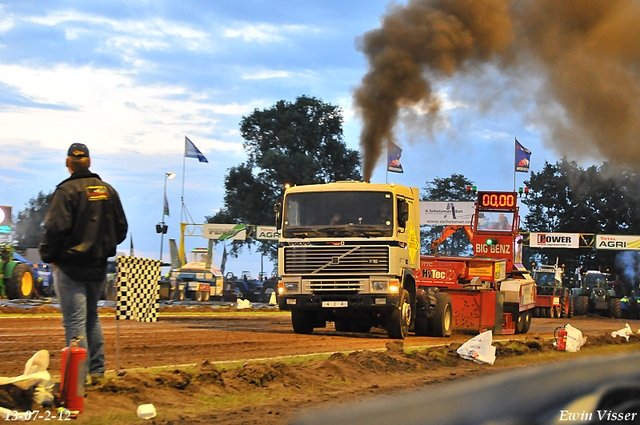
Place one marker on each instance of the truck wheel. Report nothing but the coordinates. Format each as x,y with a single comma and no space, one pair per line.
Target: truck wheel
177,295
552,313
20,284
582,305
526,324
421,326
207,296
442,321
400,318
614,308
302,321
199,296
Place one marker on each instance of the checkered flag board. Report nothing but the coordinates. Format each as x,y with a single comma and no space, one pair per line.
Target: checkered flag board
137,291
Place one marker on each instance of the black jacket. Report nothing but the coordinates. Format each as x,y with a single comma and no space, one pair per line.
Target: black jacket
83,227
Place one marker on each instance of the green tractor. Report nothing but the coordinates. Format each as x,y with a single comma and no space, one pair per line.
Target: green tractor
596,295
17,279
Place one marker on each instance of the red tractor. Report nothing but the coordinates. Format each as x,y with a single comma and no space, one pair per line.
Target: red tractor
492,289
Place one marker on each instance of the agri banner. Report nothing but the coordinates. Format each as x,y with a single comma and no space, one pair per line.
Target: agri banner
554,240
442,213
618,242
267,233
224,231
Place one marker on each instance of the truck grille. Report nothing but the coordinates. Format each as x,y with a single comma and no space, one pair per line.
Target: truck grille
331,285
333,260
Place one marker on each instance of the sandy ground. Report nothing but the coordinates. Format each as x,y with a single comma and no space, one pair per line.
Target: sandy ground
258,392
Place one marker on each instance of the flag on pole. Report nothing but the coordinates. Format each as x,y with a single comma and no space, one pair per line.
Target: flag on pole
166,206
223,262
191,151
522,158
393,158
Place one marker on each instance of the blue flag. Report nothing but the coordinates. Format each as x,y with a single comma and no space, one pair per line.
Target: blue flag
522,158
393,158
191,151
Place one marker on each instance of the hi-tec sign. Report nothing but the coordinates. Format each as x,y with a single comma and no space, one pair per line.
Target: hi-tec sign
554,240
618,242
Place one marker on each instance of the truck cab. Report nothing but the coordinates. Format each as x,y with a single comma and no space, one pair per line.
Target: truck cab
346,255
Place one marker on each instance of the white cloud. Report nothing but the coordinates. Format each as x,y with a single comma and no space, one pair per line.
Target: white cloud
149,33
109,111
6,20
265,33
263,75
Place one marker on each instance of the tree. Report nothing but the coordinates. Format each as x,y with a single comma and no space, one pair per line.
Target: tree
566,198
297,143
30,222
452,188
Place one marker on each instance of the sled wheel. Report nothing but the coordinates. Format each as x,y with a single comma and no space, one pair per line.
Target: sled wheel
442,321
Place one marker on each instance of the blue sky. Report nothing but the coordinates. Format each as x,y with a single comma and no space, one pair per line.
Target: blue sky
131,78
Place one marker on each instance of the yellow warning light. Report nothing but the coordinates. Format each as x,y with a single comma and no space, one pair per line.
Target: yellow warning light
287,185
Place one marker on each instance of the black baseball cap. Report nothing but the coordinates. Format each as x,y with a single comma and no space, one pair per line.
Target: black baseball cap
78,150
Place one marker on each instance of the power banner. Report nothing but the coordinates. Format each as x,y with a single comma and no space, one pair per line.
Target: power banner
618,242
446,213
224,231
554,240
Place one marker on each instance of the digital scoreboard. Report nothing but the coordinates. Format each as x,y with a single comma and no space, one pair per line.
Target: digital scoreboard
501,201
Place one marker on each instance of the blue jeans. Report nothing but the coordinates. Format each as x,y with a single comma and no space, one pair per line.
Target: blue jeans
79,306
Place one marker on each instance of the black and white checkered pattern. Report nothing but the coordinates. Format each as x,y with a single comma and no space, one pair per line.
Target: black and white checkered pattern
137,289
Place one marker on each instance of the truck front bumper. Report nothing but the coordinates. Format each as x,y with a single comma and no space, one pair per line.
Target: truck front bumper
337,302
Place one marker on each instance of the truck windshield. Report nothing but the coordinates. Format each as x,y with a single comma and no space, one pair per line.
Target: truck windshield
338,214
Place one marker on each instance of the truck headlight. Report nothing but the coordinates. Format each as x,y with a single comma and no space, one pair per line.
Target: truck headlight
381,285
291,286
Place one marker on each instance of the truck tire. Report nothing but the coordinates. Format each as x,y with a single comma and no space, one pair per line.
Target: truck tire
442,321
552,312
199,296
21,283
267,290
614,308
582,305
526,324
302,321
400,318
421,325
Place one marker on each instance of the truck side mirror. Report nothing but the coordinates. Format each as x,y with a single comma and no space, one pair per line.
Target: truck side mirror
403,213
278,209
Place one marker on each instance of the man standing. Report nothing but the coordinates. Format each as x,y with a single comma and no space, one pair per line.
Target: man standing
83,227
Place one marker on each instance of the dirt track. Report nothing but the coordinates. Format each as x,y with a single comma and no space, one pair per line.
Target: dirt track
271,392
179,340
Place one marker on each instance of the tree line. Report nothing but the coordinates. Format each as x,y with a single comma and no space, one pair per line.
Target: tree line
302,143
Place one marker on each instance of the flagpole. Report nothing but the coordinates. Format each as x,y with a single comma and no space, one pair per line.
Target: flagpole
184,157
387,167
515,158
